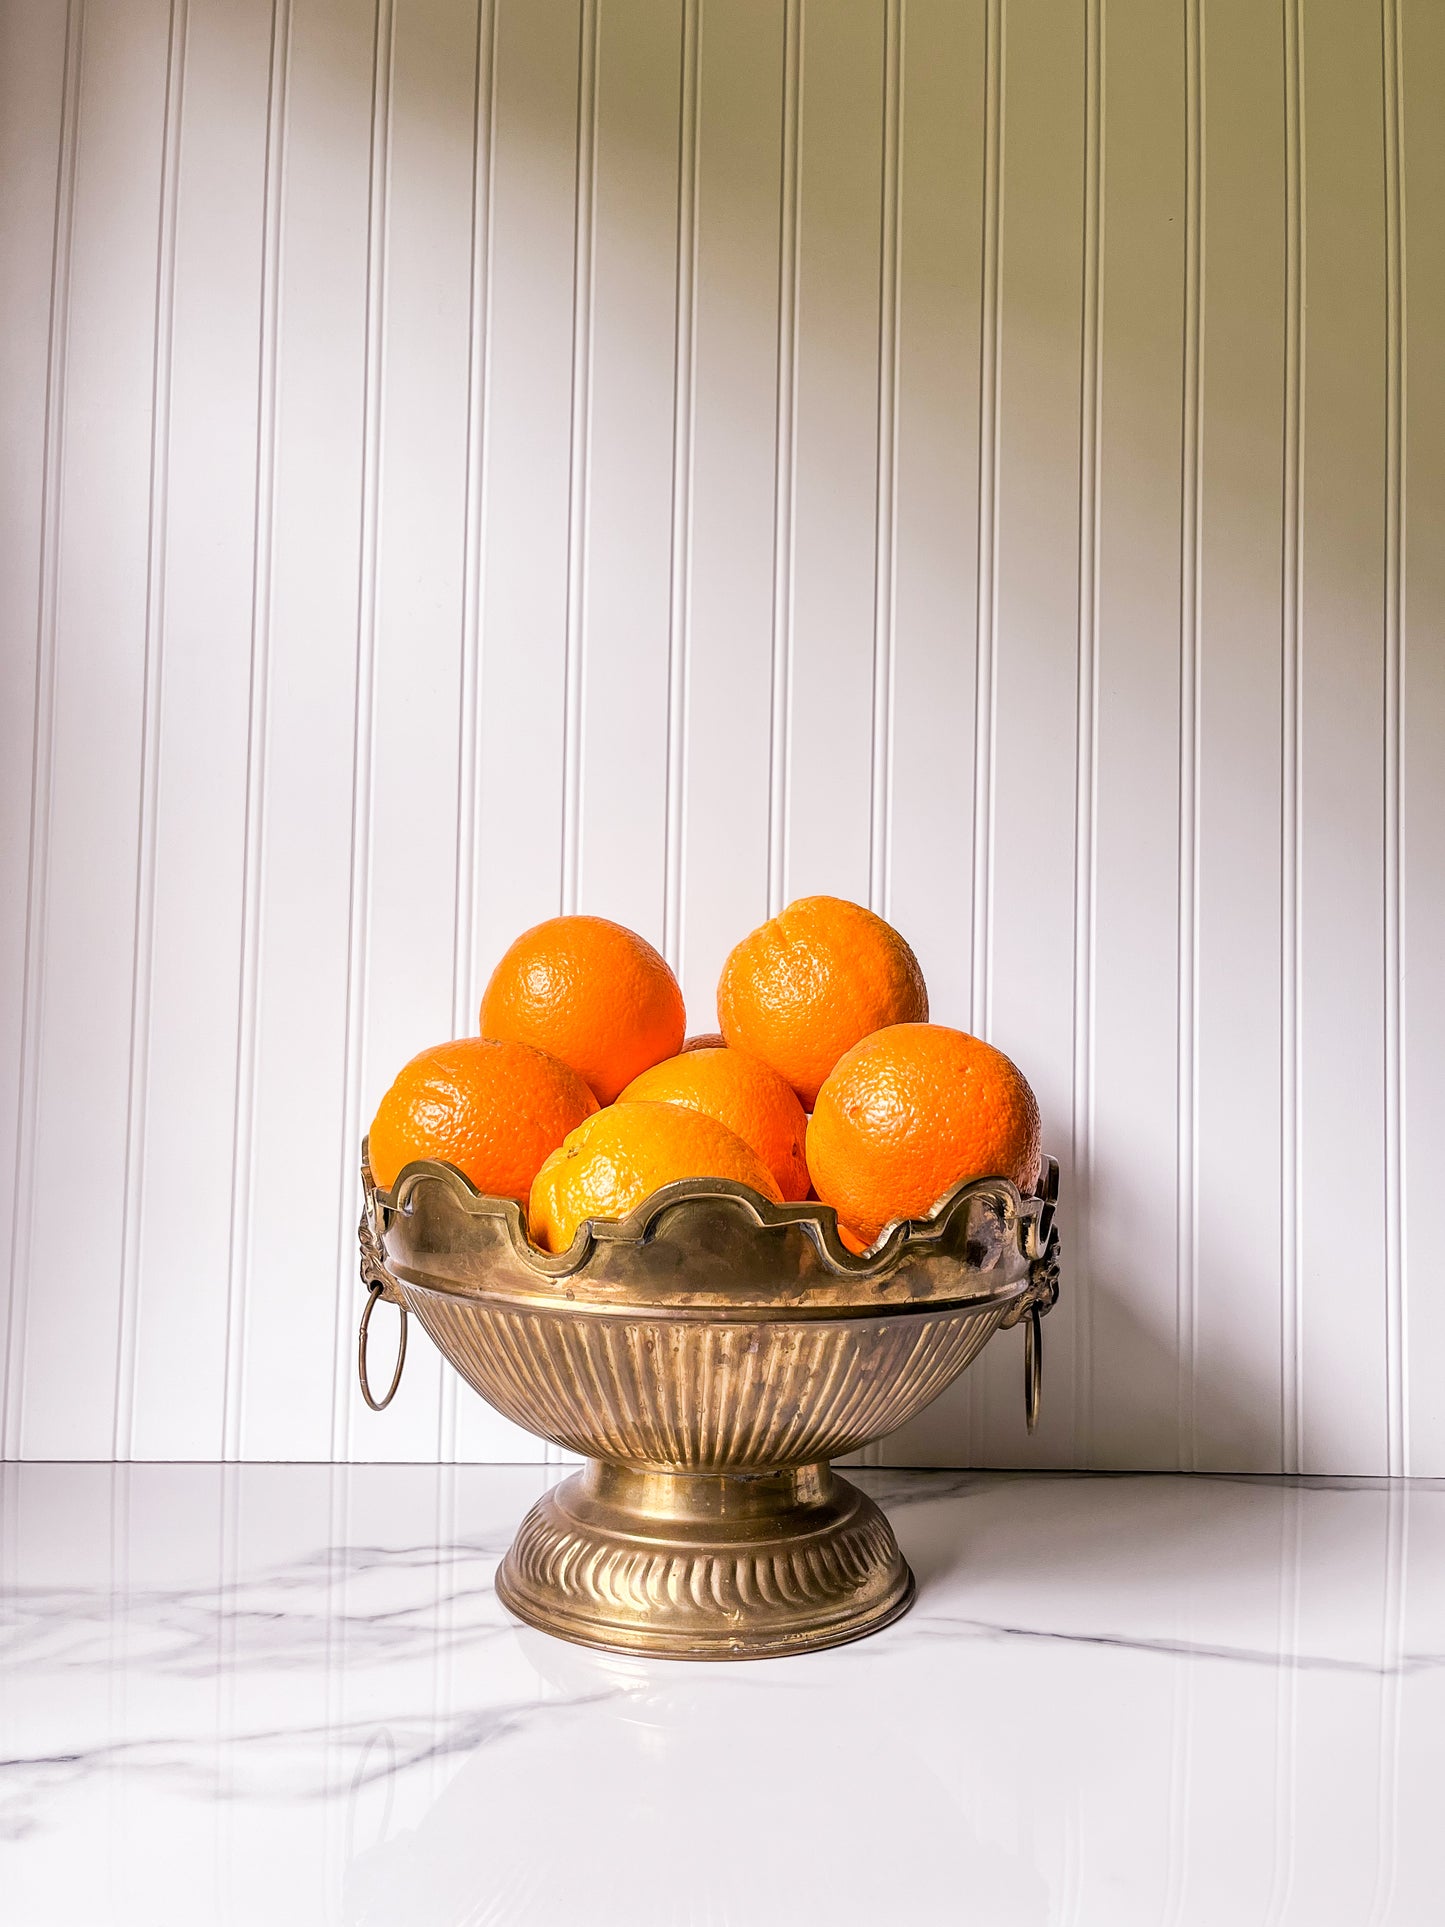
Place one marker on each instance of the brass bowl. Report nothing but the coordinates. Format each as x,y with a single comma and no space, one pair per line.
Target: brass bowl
708,1356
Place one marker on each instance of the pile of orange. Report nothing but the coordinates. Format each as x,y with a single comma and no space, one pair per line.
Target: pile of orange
582,1095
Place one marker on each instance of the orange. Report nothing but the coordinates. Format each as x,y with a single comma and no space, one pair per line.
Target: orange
743,1093
705,1040
593,993
493,1110
610,1163
909,1113
808,984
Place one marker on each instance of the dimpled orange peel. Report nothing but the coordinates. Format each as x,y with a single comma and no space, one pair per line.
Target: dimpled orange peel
910,1112
805,986
593,993
610,1163
745,1094
494,1110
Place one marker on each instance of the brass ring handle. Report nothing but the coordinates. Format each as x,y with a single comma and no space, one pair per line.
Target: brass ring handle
375,1291
1033,1365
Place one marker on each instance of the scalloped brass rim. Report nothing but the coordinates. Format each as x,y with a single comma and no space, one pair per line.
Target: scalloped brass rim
860,1285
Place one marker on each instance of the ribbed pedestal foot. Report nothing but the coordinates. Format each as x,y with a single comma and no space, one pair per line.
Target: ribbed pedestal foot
706,1565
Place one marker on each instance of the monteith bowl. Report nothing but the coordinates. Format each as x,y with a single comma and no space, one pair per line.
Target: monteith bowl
708,1356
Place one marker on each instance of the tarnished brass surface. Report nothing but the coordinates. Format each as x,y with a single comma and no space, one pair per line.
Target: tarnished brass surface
706,1565
708,1356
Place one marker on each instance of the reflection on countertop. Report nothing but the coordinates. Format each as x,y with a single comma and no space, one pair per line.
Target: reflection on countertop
282,1694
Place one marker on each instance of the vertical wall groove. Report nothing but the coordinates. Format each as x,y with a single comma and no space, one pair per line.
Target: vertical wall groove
47,622
138,1062
885,575
578,480
1086,771
885,485
679,607
780,713
981,888
579,460
1190,631
1396,1302
253,855
358,922
986,604
1291,1332
465,988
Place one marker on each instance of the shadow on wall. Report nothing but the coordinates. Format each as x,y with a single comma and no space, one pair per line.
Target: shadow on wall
1151,1425
1150,1412
1190,1386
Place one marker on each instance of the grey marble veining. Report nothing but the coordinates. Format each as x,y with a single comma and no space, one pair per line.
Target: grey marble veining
288,1693
951,1626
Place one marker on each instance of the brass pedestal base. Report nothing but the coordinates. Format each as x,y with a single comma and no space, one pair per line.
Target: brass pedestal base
705,1565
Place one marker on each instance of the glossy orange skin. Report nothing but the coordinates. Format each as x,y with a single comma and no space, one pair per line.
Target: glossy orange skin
746,1095
808,984
591,992
912,1111
610,1163
494,1110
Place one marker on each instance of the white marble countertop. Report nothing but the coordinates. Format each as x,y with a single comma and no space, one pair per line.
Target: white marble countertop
281,1694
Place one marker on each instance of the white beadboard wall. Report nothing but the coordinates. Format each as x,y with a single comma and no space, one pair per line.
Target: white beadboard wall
659,457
